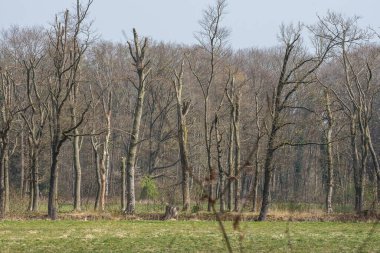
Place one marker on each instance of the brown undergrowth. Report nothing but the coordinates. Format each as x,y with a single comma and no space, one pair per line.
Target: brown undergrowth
228,216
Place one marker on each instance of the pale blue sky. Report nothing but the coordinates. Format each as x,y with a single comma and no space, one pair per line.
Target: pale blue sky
253,23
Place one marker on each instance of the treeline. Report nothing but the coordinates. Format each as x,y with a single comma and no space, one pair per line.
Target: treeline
89,120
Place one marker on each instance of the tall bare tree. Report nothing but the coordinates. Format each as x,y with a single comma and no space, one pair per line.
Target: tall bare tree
182,110
68,41
358,92
329,156
297,69
8,114
233,95
104,75
137,51
212,39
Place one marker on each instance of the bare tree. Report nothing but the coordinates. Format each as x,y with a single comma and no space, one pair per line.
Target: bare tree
76,140
330,169
212,39
234,99
182,110
259,135
297,69
68,41
358,92
137,52
36,114
7,118
104,78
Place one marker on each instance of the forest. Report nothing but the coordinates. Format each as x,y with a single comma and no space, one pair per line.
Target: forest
96,124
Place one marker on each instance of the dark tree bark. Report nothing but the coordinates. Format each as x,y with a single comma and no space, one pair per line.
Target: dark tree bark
8,112
68,42
237,182
295,72
76,156
218,138
231,175
98,176
182,110
256,147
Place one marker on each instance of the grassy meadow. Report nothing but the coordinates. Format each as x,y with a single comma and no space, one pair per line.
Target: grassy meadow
186,236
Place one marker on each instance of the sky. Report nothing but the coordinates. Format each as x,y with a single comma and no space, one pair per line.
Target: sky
253,23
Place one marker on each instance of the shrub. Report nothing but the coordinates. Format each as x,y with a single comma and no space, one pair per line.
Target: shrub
148,189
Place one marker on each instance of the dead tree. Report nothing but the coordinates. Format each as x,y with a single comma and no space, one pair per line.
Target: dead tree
182,110
104,74
329,155
234,99
138,53
100,139
171,212
259,136
222,173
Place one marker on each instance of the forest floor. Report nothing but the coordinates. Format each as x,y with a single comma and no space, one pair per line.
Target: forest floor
156,212
186,236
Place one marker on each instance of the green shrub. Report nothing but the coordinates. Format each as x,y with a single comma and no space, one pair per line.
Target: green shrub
148,189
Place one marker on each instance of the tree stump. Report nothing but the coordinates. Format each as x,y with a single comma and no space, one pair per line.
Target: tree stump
171,212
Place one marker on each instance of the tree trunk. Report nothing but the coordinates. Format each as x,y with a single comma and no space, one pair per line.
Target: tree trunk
171,212
78,171
359,194
378,189
211,177
130,189
31,189
255,186
6,181
133,152
34,181
266,191
237,173
98,179
103,185
375,163
182,135
36,190
231,175
185,166
268,171
218,138
139,62
182,110
330,169
2,181
52,199
123,185
106,153
22,165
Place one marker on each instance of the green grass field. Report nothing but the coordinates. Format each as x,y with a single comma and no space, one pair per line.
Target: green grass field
186,236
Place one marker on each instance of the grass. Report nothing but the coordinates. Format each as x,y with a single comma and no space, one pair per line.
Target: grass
186,236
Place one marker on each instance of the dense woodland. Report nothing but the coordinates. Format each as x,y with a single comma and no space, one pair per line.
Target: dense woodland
202,126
